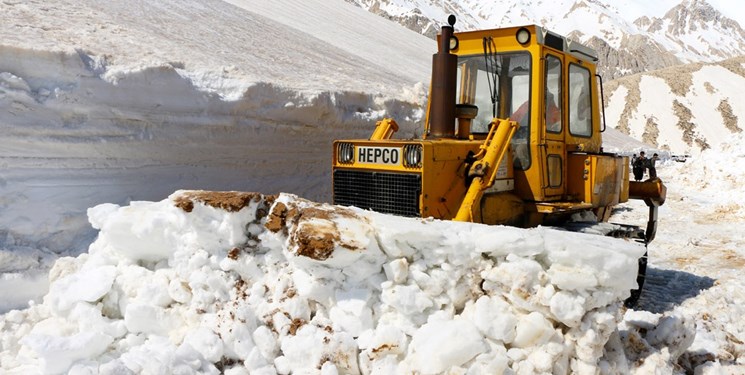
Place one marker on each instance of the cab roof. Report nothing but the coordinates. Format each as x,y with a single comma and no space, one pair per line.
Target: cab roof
541,36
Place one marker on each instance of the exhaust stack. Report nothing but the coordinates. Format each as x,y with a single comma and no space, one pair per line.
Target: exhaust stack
442,102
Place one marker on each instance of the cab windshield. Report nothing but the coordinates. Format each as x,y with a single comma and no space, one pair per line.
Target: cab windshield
499,85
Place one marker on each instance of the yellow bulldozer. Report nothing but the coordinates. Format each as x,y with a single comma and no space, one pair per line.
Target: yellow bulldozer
513,135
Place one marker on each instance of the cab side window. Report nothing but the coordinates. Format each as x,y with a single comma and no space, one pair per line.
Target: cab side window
580,102
552,96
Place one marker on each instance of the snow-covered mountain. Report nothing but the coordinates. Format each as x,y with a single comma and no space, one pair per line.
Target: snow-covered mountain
683,109
630,36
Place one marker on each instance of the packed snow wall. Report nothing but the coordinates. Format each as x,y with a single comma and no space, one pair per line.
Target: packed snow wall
210,282
76,132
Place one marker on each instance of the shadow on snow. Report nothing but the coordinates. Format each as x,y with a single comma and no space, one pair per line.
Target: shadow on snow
665,289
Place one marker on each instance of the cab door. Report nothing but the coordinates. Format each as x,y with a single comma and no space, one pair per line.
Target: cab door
553,150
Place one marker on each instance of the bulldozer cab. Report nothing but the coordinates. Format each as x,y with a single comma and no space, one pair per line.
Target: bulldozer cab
544,83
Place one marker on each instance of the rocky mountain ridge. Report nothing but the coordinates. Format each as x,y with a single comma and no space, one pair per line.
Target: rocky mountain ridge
683,109
691,31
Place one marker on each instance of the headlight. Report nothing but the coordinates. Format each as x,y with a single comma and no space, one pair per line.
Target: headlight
453,43
523,36
345,152
412,156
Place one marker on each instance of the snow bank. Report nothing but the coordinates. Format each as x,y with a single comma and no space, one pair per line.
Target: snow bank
107,102
78,132
205,282
714,172
251,43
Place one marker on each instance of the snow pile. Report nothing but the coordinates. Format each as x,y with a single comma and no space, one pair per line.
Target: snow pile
713,173
236,282
653,343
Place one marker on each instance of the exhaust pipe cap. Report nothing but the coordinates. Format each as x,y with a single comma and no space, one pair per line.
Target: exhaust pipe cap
451,20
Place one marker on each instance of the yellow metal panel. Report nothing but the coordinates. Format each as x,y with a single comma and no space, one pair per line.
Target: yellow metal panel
443,177
625,184
501,208
553,160
607,180
578,177
451,149
443,184
653,191
597,179
471,42
559,207
356,164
